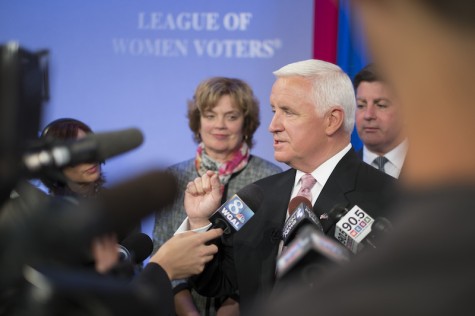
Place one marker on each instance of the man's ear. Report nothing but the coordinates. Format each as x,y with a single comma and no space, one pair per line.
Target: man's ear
334,120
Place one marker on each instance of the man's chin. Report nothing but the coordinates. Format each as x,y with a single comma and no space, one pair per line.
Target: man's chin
281,158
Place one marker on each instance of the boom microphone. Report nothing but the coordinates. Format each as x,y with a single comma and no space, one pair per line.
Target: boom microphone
91,148
236,211
60,231
116,210
128,202
301,214
135,248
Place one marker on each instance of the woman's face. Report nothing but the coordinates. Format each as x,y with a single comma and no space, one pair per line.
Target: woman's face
83,173
221,129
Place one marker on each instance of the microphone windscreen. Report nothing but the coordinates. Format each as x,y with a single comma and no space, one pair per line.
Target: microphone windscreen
296,201
139,245
252,195
132,200
337,212
111,144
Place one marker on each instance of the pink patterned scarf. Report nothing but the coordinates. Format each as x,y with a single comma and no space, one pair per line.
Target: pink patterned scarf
238,161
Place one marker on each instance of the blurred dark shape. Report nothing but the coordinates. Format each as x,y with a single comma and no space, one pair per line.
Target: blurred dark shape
56,234
45,241
23,89
56,154
135,248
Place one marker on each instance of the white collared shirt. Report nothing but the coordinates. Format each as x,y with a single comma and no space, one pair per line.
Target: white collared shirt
395,159
321,174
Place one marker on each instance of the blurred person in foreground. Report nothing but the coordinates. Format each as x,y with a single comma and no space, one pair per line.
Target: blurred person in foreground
313,102
223,116
426,50
379,122
82,181
71,286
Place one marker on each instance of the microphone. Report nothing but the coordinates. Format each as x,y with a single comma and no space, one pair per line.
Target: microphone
355,229
352,228
91,148
125,204
337,212
135,248
236,212
116,210
301,214
309,252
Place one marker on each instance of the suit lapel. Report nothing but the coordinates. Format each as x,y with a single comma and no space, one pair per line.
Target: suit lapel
341,181
278,204
259,239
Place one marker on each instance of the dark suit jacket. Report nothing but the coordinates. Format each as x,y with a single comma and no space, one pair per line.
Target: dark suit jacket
247,260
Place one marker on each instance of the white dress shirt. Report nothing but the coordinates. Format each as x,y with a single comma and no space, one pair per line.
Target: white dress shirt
395,159
321,174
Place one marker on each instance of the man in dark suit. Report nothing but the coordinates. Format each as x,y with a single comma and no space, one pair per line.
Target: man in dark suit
379,122
426,267
314,106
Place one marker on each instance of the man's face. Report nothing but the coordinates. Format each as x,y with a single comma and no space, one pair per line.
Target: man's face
299,137
378,117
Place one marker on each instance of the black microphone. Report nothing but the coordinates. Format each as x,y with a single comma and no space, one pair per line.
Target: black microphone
91,148
310,252
237,211
135,248
301,214
61,228
380,227
337,212
125,204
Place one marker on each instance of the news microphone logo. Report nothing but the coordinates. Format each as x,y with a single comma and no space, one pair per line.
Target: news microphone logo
353,228
233,214
303,214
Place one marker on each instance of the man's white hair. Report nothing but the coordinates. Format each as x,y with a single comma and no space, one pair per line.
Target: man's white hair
331,87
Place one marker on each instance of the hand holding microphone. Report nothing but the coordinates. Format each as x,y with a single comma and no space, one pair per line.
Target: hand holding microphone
186,254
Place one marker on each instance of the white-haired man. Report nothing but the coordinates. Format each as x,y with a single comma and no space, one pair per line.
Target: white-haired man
314,108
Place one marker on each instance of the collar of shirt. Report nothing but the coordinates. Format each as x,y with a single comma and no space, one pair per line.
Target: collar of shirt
396,156
321,174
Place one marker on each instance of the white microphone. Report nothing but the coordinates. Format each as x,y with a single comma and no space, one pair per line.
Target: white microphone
353,228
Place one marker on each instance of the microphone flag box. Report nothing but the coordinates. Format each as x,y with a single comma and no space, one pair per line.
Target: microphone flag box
302,214
234,212
353,228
